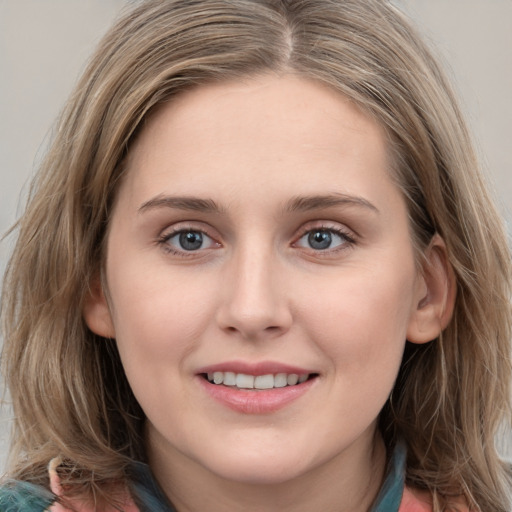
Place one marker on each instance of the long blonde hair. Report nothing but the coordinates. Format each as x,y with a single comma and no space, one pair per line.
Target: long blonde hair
69,392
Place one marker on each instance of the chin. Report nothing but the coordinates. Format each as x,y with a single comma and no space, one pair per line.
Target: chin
262,468
258,474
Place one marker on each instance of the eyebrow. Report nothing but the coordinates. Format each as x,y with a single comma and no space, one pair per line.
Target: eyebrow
181,203
297,204
318,202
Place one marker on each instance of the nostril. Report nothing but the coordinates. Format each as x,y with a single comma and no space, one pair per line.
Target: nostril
252,322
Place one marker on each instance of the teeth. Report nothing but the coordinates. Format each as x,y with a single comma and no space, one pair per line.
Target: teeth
244,381
280,380
229,379
292,379
264,382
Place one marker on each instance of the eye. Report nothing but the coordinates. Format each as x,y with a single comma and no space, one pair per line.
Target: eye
187,240
323,239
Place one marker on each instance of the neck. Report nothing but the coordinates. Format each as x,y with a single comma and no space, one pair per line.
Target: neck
349,482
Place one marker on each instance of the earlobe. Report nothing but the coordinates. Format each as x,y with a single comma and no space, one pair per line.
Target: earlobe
97,312
436,293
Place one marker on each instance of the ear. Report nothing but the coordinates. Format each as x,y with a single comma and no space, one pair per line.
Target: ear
97,312
435,295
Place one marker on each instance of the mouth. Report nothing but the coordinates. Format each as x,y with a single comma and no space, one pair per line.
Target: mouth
243,381
261,388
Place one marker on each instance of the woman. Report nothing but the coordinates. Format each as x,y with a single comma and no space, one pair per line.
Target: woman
249,207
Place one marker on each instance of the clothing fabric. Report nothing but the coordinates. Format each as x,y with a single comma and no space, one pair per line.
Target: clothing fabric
147,496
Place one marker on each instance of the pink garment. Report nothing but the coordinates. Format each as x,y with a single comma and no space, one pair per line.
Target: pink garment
411,502
419,502
77,506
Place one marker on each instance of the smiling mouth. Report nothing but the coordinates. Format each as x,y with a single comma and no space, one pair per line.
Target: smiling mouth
244,381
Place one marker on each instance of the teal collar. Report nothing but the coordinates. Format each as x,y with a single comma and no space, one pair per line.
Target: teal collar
390,494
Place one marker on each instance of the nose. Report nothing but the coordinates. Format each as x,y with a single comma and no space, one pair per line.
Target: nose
254,304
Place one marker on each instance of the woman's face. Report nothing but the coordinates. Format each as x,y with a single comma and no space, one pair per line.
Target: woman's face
258,239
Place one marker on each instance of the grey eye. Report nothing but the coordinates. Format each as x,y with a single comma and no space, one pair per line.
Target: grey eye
320,239
190,240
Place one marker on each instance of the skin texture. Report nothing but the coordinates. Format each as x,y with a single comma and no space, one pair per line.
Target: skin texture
256,290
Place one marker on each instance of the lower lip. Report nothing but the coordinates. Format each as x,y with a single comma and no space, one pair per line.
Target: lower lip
256,401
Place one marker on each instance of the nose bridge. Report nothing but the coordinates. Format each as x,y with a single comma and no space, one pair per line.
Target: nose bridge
255,303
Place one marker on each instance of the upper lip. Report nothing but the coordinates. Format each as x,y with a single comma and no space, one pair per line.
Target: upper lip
259,368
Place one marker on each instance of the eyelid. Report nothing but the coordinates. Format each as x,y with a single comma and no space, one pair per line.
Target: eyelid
327,225
171,231
189,225
339,229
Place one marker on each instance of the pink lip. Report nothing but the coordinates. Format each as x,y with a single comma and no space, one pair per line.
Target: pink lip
254,401
261,368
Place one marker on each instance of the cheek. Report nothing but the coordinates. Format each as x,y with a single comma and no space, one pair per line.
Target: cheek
157,325
158,316
361,318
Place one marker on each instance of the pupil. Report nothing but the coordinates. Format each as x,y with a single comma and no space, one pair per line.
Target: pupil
320,239
191,240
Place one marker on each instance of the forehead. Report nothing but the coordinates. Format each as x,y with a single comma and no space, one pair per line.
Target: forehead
276,131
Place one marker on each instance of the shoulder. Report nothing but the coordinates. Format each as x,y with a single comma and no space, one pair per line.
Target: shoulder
18,496
414,500
77,504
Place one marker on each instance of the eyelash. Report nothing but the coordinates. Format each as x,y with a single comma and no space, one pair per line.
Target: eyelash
165,238
348,240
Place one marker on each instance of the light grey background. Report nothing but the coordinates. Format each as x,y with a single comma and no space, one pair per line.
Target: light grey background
44,45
